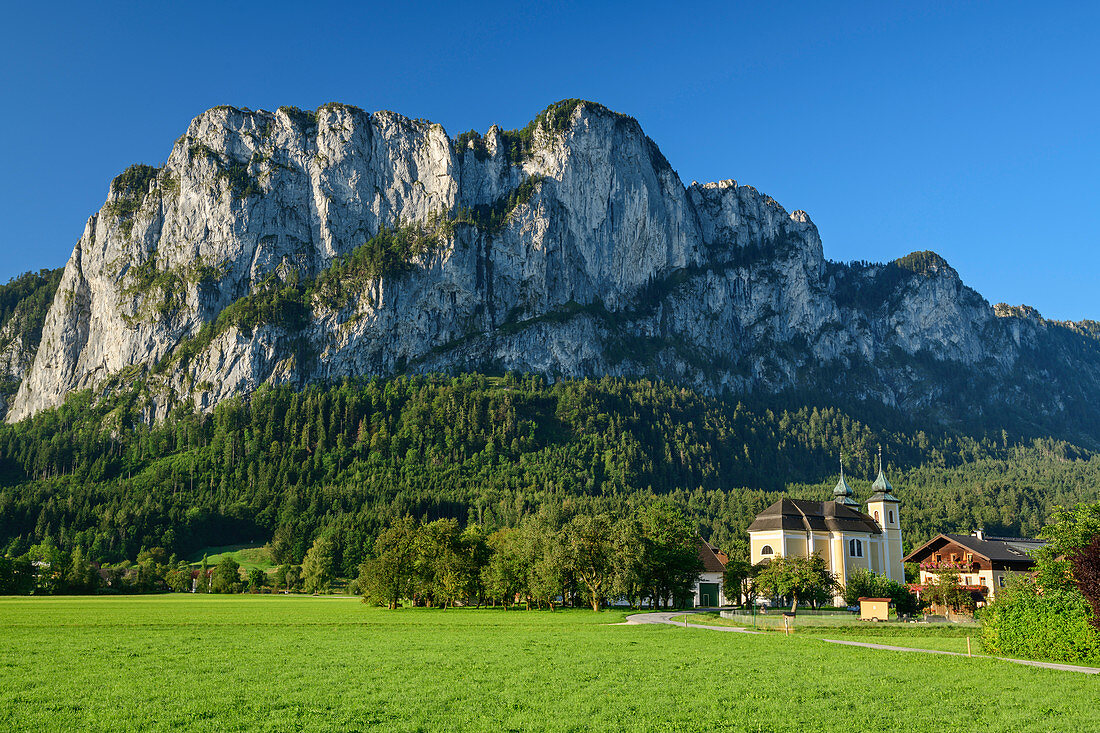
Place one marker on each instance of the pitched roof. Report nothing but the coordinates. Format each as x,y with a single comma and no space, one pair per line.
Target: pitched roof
997,549
711,558
801,515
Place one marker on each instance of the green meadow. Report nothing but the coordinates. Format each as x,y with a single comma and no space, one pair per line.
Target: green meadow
247,556
331,663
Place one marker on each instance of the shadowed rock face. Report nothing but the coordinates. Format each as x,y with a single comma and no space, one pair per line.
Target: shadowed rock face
598,262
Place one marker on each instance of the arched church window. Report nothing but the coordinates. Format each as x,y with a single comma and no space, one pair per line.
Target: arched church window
891,516
766,550
876,516
855,548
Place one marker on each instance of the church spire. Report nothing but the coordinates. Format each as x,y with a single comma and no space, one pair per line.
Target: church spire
842,494
881,488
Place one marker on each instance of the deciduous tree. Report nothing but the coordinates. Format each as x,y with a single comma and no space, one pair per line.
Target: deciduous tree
796,577
590,553
319,565
226,577
387,576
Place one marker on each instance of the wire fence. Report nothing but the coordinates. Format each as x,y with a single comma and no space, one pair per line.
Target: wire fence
774,619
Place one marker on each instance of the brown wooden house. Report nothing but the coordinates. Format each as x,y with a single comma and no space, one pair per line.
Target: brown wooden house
984,563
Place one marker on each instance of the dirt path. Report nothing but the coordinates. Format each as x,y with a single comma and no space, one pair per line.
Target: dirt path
672,618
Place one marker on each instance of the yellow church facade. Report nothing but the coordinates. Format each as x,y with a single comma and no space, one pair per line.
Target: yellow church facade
847,538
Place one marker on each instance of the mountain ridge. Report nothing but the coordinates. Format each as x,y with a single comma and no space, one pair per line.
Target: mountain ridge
568,248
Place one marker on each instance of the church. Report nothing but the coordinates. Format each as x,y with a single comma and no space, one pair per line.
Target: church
847,538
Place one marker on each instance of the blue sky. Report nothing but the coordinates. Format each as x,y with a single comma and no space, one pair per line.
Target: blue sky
967,128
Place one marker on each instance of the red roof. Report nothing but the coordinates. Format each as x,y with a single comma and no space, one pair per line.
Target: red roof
713,560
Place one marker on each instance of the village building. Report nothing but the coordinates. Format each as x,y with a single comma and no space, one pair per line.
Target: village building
984,563
709,587
847,538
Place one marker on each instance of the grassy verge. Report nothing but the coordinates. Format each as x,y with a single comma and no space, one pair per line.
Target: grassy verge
285,663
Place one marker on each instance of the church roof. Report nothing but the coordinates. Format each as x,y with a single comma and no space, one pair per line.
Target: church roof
802,515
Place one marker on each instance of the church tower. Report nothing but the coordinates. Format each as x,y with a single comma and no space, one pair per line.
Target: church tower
883,508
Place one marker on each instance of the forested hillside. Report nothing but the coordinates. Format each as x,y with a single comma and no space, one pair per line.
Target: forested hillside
31,292
24,302
285,466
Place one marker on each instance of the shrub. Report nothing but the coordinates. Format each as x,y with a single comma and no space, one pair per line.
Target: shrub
1029,621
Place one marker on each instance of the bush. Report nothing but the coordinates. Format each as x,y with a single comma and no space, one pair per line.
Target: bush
1029,621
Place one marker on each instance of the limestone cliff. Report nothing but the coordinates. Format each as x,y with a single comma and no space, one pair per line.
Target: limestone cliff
291,246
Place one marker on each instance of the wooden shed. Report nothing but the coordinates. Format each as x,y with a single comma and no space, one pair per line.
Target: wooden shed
874,609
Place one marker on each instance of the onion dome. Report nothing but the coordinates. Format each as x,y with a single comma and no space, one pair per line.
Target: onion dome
843,494
881,488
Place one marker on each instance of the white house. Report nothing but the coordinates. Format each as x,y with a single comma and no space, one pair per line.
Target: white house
709,587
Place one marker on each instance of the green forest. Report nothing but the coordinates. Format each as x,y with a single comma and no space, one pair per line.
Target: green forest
24,302
286,466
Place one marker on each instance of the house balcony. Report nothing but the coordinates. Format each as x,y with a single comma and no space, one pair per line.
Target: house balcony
962,567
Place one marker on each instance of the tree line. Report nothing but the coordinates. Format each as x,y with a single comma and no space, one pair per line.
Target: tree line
345,460
547,560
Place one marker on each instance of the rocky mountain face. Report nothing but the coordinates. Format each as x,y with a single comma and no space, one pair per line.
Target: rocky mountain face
290,246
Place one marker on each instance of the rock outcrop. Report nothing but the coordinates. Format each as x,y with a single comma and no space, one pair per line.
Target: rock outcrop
294,246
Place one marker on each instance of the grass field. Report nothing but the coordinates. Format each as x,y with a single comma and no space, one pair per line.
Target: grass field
290,663
247,556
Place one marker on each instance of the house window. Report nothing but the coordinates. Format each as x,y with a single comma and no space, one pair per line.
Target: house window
939,558
954,557
982,581
1001,581
855,548
766,550
969,557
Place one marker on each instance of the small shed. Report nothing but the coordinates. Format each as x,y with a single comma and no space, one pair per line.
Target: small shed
874,609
